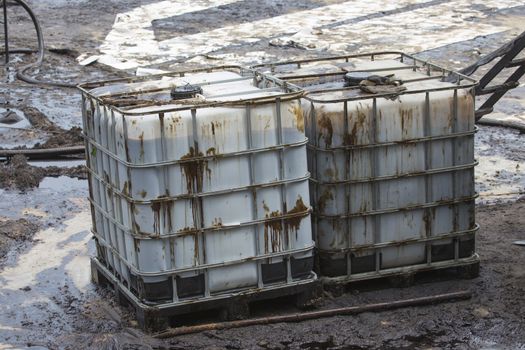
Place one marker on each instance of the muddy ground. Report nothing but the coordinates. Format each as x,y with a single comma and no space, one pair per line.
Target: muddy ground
14,233
46,298
494,318
17,174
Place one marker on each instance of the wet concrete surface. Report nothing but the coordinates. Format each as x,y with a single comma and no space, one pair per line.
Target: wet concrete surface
46,297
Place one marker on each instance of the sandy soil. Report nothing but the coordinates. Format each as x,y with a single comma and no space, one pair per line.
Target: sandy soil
46,296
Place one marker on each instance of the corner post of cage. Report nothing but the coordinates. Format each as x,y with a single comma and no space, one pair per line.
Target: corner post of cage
375,185
251,171
6,32
427,131
314,177
282,186
198,210
455,107
347,193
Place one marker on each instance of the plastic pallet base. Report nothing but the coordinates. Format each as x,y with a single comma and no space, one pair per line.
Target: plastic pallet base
233,306
405,276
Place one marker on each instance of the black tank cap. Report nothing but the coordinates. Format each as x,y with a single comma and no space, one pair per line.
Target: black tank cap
185,91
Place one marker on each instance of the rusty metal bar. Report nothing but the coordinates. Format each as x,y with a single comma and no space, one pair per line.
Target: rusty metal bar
129,294
409,269
394,210
329,58
175,295
128,164
507,53
455,223
436,237
168,87
288,91
135,79
313,157
136,269
427,131
126,196
399,176
348,201
6,33
376,194
255,215
259,221
402,58
299,317
360,97
142,235
511,81
516,63
393,143
502,88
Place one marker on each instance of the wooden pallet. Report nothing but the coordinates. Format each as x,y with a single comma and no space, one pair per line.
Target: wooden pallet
233,306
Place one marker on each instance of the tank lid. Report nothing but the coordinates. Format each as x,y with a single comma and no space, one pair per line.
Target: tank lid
185,91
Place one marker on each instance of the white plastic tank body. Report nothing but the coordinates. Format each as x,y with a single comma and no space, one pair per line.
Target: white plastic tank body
203,196
392,174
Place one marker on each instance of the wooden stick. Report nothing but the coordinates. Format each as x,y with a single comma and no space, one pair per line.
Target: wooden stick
298,317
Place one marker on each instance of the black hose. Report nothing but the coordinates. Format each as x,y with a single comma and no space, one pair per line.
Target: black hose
19,51
502,123
21,72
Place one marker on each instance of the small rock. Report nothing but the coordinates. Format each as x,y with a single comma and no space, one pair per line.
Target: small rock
481,312
9,118
26,289
263,343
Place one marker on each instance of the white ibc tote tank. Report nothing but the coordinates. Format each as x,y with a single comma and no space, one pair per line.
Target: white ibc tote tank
392,173
199,196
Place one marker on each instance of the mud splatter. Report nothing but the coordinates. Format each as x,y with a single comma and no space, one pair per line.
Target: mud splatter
18,174
15,231
327,131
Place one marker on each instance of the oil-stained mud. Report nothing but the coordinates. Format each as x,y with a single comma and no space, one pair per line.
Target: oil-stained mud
63,138
13,232
56,136
18,174
492,319
79,171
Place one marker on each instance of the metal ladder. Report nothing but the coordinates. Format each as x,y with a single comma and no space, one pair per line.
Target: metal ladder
506,55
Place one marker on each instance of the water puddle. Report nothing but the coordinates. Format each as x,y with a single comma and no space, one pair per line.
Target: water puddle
15,129
62,183
57,163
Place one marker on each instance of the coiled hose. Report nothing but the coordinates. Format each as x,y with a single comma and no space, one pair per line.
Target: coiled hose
21,72
49,153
